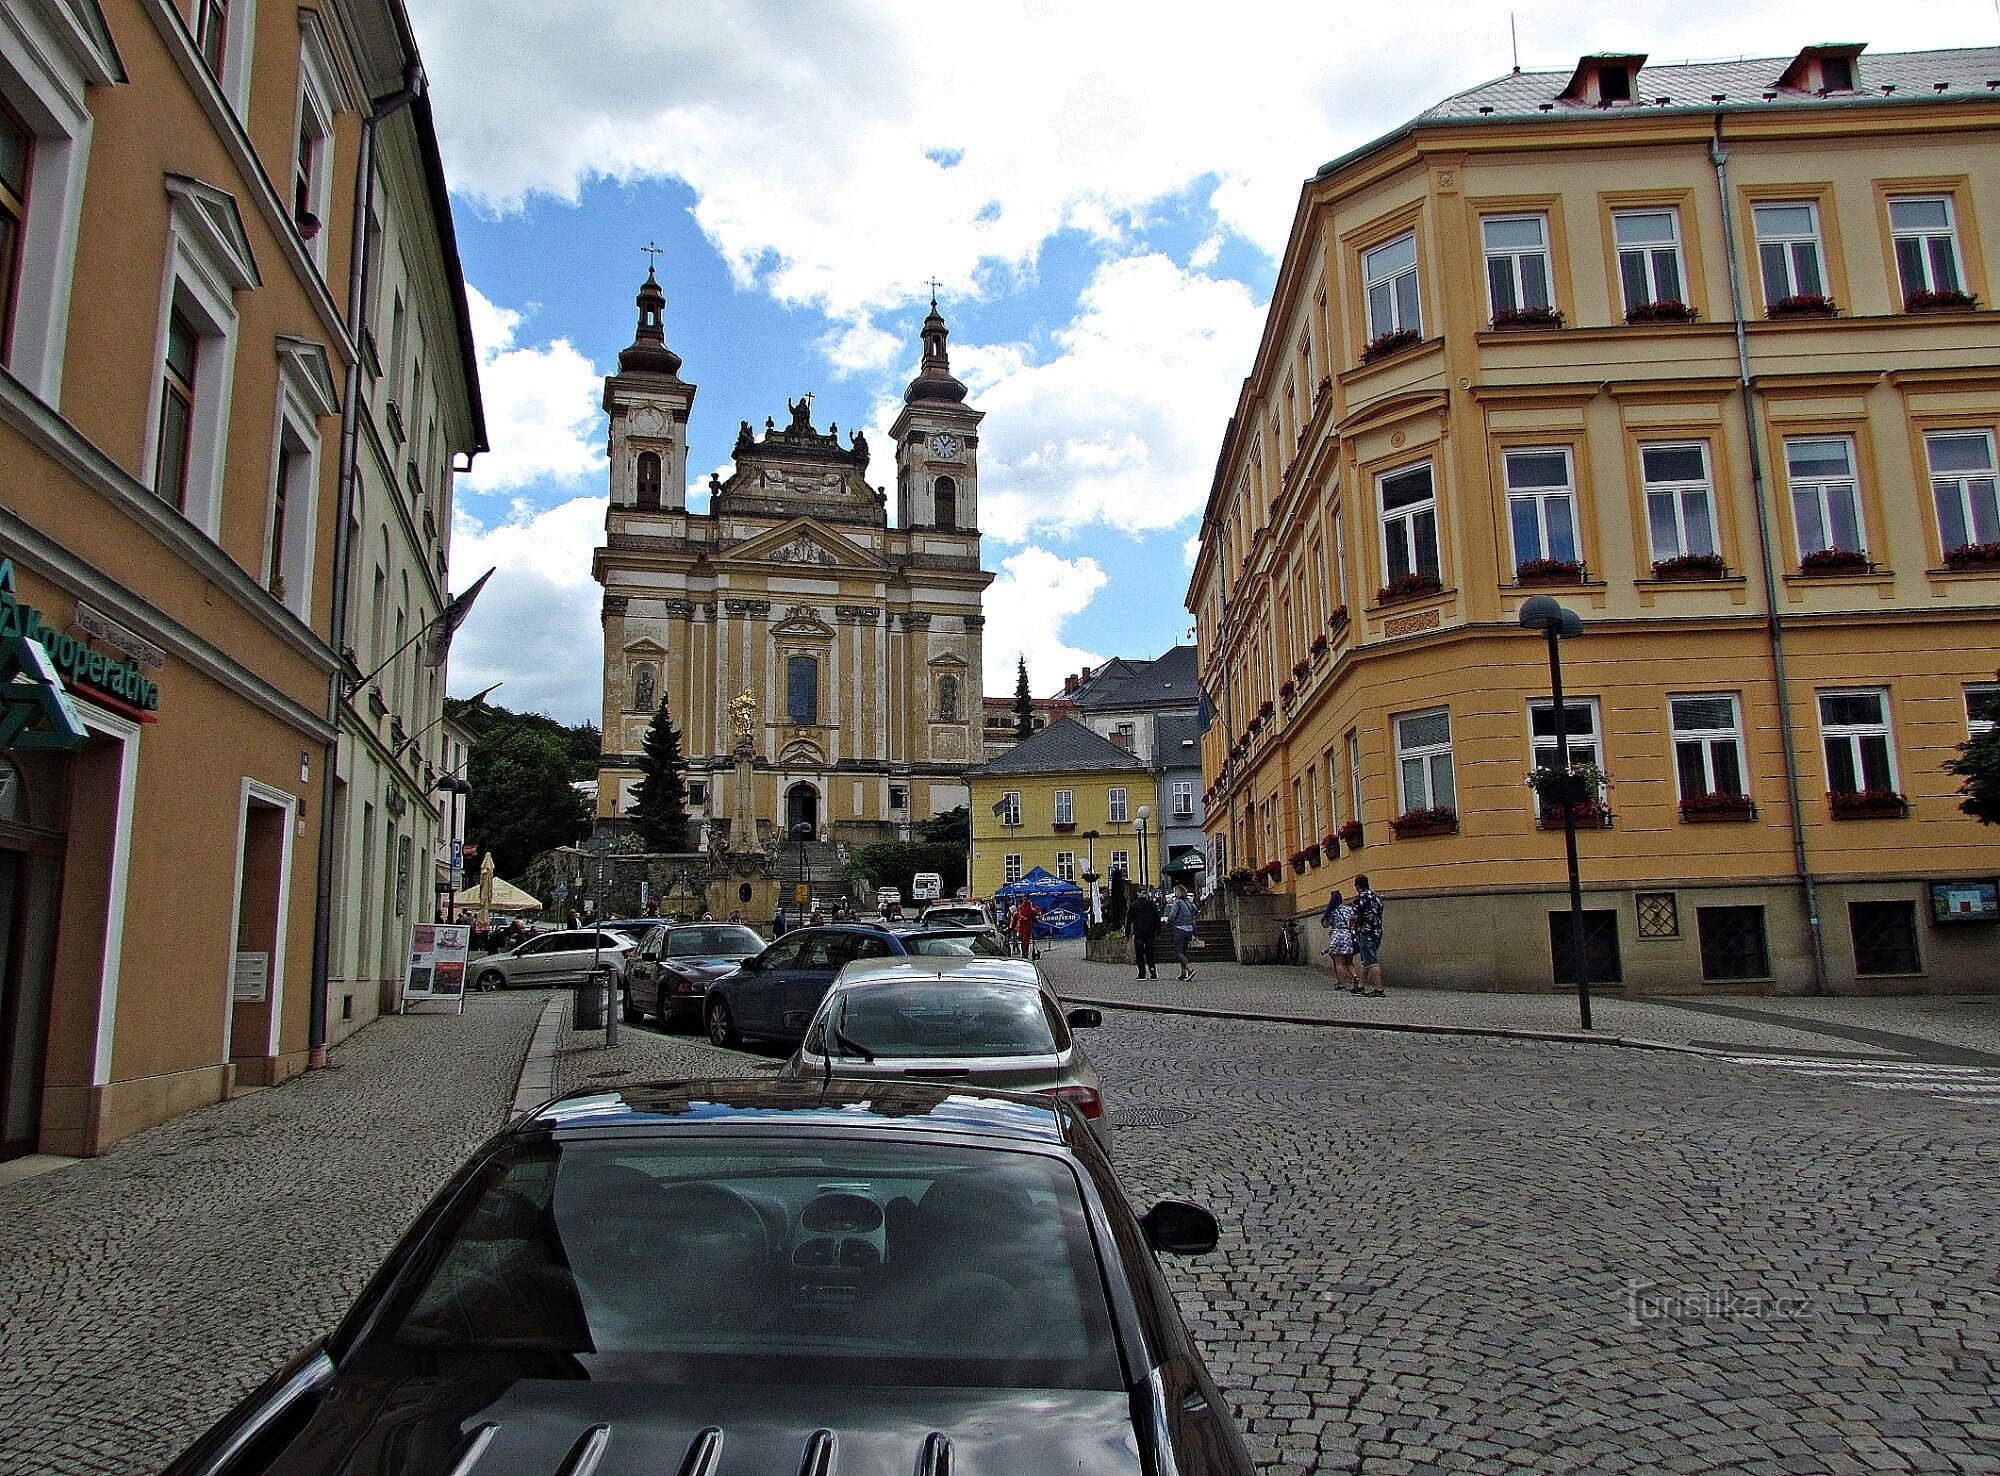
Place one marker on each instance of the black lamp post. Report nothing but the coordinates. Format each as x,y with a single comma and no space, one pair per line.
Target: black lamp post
1145,813
1555,623
803,832
454,786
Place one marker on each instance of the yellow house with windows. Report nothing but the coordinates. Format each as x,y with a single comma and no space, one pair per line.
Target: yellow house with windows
1066,800
1704,352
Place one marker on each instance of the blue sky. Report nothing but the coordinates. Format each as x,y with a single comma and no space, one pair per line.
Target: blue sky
1101,190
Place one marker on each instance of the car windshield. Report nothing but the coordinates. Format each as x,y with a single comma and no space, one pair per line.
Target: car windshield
724,941
737,1258
950,1018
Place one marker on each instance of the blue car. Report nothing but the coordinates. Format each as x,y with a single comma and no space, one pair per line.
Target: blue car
772,996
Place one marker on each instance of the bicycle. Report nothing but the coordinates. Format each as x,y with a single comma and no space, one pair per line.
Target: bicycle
1289,948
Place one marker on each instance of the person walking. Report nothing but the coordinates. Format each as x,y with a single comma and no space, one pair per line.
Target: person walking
1025,913
1142,922
1368,937
1338,920
779,922
1180,918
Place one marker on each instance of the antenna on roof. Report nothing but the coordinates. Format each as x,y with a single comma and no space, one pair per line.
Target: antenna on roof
1515,36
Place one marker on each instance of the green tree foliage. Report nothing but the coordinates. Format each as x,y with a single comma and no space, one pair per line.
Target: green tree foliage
895,863
1024,704
1977,768
952,828
659,800
521,802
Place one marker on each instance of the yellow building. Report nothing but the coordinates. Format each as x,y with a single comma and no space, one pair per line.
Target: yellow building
1701,351
1067,800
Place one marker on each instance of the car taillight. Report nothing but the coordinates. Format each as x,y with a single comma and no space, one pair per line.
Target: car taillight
1086,1099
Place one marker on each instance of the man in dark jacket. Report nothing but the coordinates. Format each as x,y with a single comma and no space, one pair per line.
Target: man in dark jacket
1142,924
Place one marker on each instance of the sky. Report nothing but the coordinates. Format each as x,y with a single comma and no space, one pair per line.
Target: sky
1101,191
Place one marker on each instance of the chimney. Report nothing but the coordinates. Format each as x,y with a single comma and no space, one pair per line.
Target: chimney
1086,674
1069,684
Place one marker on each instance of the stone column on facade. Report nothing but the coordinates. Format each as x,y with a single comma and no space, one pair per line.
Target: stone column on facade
743,812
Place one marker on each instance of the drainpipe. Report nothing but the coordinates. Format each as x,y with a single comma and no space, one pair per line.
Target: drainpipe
1774,625
343,511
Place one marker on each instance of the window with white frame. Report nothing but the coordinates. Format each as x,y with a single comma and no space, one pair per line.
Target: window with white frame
1854,726
1680,499
1354,769
1332,793
1066,866
306,395
1010,867
1826,499
1982,709
1963,487
1065,807
1517,263
1010,807
1541,504
1423,761
1339,559
1389,277
1312,792
1115,806
312,162
177,387
1122,861
1579,717
221,31
1649,256
1788,250
17,153
1299,811
1183,797
1409,524
1924,229
1708,744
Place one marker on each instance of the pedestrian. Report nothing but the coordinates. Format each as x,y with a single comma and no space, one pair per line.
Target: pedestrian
1025,913
1142,922
779,922
817,920
1338,920
1368,937
1180,918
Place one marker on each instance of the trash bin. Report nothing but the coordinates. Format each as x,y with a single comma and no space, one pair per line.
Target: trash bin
592,998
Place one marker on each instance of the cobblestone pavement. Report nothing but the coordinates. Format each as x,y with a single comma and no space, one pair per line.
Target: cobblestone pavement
1956,1027
145,1291
645,1053
1459,1254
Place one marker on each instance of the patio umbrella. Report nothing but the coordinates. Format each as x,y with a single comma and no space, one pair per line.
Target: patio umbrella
486,890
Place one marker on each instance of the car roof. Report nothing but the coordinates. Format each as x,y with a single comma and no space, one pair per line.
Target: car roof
893,1109
913,967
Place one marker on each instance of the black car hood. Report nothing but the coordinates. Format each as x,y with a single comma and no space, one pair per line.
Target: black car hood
486,1427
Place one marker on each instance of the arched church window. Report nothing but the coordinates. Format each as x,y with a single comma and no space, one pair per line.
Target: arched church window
649,479
642,687
945,500
802,689
947,689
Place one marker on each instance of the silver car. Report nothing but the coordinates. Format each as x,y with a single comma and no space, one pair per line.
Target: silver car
555,958
954,1018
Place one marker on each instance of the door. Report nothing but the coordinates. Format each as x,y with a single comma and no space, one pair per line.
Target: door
750,995
801,808
32,796
644,972
806,986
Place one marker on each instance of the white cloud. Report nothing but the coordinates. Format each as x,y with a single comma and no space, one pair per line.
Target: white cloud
1036,593
541,403
537,623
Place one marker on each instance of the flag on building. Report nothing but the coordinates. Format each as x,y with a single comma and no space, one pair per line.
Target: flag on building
437,635
1204,713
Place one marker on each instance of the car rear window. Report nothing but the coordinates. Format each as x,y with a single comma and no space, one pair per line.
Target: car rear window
746,1259
947,1019
727,940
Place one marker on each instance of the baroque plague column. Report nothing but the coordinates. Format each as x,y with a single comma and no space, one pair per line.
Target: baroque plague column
858,641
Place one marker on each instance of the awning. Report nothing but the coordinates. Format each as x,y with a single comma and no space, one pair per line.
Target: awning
1187,863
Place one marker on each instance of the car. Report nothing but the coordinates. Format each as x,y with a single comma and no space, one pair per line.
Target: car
986,1022
737,1276
926,886
957,915
555,958
668,977
772,996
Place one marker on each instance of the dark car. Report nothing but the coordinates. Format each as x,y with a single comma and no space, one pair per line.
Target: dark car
735,1277
773,995
669,976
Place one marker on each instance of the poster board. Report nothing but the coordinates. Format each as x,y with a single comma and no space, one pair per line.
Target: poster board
437,963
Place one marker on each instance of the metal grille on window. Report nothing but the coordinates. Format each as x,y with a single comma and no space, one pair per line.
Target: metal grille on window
1600,939
1659,915
1732,943
1885,937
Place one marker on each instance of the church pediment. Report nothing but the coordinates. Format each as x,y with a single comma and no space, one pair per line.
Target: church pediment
802,622
947,661
802,541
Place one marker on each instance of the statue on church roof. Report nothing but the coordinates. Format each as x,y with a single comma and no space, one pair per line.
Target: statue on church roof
746,439
801,413
861,448
714,483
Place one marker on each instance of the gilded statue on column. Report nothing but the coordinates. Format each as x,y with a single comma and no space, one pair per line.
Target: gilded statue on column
743,716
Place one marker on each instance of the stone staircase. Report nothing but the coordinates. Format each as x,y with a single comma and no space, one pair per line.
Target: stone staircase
1213,941
823,871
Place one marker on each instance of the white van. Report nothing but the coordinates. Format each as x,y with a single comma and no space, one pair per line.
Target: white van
926,886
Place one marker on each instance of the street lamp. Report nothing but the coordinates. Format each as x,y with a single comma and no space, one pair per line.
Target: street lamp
1556,623
1144,812
454,786
802,832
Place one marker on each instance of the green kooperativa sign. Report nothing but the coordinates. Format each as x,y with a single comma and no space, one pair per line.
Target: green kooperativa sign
83,667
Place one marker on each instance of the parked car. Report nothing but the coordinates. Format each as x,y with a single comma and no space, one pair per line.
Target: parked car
986,1022
926,886
957,915
748,1276
555,958
668,977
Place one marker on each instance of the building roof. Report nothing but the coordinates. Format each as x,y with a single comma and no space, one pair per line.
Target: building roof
1064,747
1176,741
1169,680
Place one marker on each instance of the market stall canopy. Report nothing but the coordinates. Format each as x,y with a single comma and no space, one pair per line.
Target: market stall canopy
1060,903
506,898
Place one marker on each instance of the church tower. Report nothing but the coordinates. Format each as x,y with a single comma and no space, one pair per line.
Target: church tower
648,403
937,444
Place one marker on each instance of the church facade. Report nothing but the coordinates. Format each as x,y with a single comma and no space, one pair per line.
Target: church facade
822,664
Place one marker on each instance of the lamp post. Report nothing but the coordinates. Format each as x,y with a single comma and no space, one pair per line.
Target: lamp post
803,832
453,786
1090,873
1145,811
1555,623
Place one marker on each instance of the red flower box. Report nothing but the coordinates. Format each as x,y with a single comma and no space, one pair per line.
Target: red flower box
1509,320
1835,561
1802,305
1550,571
1392,342
1351,835
1063,825
1300,668
1867,804
1667,310
1411,586
1266,708
1439,820
1286,689
1329,844
1319,645
1944,300
1338,618
1691,566
1717,805
1973,556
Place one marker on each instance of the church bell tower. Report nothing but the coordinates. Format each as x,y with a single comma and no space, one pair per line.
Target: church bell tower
937,443
648,403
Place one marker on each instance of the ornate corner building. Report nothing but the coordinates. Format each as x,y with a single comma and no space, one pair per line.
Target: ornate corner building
858,642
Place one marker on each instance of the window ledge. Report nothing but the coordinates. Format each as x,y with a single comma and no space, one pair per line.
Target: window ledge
1964,571
1875,574
1726,581
1436,597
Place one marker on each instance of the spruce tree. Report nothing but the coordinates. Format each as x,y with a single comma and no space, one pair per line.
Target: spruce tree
659,800
1024,705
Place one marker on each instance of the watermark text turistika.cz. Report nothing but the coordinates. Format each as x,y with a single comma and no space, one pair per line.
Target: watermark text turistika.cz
1648,1301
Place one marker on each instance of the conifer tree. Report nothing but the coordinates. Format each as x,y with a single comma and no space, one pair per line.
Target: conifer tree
659,800
1024,705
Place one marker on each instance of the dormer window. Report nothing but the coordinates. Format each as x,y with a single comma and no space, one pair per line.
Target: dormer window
1602,80
1823,69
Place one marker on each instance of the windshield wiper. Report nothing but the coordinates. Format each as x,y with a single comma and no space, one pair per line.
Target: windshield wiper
853,1047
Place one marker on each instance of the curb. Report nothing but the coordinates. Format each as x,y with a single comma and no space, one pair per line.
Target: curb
1406,1027
537,1082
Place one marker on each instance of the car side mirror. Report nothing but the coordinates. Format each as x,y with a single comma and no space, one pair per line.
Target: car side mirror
1179,1228
1084,1018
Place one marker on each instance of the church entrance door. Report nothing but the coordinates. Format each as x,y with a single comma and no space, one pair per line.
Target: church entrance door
802,807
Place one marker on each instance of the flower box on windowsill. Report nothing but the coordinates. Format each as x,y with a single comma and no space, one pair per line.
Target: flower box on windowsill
1063,826
1666,311
1318,647
1973,556
1338,618
1300,668
1302,859
1867,804
1944,300
1323,389
1271,871
1351,835
1412,586
1265,709
1802,305
1589,816
1329,845
1836,561
1550,571
1717,807
1526,319
1287,690
1393,342
1441,820
1691,566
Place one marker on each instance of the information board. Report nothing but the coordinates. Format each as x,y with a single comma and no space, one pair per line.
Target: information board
437,963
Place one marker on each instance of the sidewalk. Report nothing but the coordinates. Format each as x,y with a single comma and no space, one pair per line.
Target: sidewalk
1961,1029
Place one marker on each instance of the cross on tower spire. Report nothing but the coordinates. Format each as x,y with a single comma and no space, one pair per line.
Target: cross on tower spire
934,288
651,251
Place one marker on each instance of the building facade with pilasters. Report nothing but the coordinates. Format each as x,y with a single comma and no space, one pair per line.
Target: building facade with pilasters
1705,352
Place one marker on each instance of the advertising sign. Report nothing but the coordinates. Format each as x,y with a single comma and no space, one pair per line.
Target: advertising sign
1973,900
437,963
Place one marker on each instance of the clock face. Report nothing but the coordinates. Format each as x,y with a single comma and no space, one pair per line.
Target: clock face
944,444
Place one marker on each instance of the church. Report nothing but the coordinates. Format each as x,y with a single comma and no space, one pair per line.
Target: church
822,664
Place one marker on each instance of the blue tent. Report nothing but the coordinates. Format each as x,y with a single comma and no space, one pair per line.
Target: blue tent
1061,904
